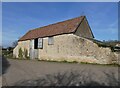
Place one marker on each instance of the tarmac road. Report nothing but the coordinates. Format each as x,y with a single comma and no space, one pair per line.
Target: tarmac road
18,70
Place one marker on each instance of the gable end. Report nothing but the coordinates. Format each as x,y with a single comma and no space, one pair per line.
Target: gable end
84,30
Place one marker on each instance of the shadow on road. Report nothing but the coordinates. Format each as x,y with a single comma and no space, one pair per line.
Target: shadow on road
5,65
69,78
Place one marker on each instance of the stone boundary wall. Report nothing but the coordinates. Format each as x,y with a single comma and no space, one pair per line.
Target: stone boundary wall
69,47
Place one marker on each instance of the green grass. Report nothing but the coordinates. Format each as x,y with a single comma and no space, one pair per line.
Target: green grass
116,65
18,58
64,61
9,55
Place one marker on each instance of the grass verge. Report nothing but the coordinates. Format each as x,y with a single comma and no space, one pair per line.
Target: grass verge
116,65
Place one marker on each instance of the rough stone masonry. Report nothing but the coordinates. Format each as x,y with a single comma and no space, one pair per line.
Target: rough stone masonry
74,49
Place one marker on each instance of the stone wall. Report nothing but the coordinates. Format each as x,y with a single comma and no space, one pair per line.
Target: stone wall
23,45
116,60
70,47
74,48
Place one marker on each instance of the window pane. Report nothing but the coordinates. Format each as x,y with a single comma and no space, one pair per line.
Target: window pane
40,43
50,40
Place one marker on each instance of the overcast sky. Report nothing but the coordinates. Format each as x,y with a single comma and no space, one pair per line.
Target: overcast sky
18,18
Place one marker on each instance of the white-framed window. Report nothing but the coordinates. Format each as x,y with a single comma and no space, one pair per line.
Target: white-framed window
50,40
40,43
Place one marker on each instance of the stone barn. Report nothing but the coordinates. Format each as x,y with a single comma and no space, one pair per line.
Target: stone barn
69,40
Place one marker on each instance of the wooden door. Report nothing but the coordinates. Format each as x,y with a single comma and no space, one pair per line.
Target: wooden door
32,49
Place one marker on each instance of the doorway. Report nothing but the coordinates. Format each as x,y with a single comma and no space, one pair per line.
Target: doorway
31,49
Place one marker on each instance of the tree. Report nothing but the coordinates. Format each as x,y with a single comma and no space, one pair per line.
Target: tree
15,43
20,55
26,53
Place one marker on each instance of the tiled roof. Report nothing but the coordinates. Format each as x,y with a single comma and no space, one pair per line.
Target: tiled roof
64,27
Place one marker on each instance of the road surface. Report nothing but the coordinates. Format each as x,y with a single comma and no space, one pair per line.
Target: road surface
18,70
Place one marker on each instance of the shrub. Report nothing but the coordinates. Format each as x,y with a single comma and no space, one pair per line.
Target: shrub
20,55
26,54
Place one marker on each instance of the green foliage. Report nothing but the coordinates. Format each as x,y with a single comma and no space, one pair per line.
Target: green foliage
65,61
7,54
25,53
74,62
20,55
113,64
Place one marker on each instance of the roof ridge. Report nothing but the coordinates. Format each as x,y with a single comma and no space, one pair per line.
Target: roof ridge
57,22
